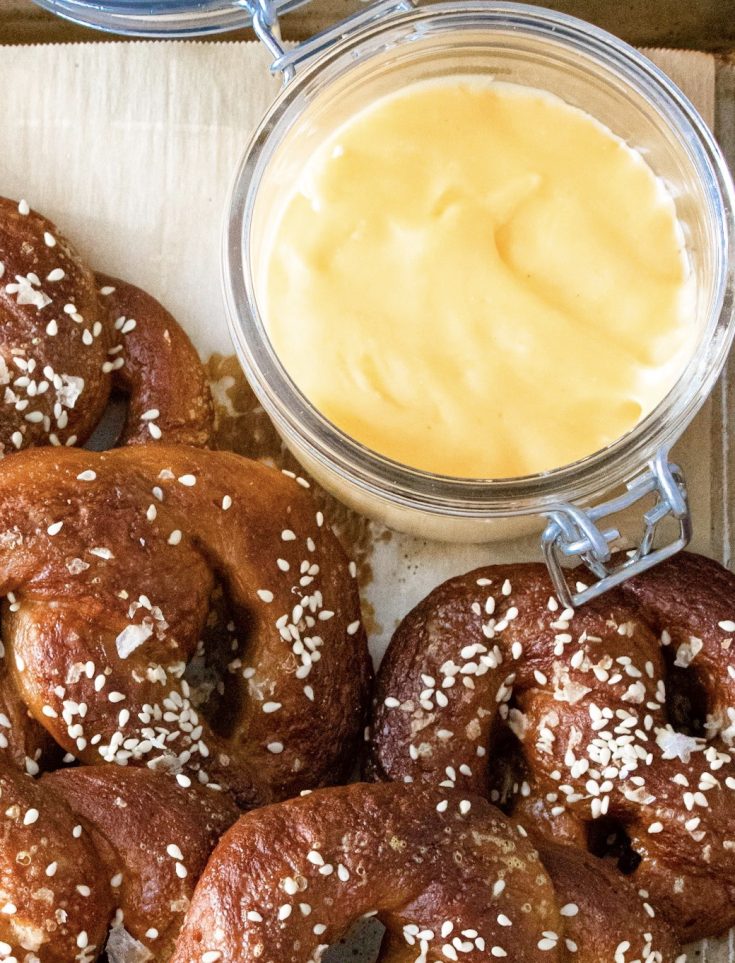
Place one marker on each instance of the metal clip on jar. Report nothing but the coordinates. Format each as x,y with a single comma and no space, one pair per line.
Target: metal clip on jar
378,50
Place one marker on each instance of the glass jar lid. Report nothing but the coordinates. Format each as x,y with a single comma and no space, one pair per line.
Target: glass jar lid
161,18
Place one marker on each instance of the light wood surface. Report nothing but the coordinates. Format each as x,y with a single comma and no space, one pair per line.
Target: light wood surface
700,24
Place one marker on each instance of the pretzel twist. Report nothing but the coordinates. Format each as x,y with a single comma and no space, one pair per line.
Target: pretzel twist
88,847
109,562
69,336
448,875
563,718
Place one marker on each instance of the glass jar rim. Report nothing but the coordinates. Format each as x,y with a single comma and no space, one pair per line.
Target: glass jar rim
380,476
160,18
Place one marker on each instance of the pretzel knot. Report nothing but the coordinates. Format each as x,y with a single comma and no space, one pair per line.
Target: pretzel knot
109,563
610,728
69,336
86,847
448,875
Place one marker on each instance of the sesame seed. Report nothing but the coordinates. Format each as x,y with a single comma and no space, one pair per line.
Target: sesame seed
175,537
549,941
56,275
55,528
226,503
24,208
188,481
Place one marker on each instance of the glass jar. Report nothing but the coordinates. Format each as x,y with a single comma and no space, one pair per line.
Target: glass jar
381,50
160,18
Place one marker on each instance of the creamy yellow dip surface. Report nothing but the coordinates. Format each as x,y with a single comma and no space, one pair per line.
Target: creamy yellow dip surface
476,279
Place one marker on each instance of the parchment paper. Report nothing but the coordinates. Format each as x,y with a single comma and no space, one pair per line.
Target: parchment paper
132,148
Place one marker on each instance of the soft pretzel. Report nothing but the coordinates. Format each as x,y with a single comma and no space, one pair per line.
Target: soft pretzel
68,336
448,875
86,847
109,562
563,718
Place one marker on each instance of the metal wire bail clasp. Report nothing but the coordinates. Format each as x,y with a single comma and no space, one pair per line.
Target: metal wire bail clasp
267,29
264,14
573,533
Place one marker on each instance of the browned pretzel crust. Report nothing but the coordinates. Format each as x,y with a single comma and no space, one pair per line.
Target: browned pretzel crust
450,877
109,562
154,836
87,847
162,375
66,335
563,718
